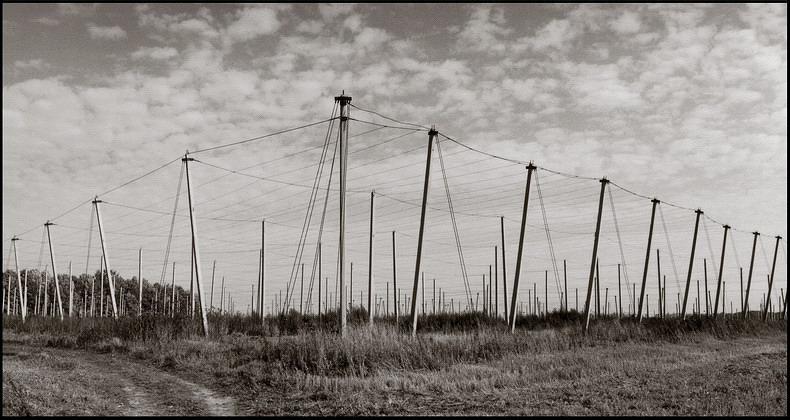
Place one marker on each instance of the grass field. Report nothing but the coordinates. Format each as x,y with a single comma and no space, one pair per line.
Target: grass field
468,366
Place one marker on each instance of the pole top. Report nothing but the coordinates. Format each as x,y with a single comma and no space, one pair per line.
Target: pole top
531,166
14,238
698,211
96,200
604,180
432,131
778,237
343,98
48,223
726,226
755,233
655,200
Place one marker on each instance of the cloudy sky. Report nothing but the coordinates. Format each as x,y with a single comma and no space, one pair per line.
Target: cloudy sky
687,103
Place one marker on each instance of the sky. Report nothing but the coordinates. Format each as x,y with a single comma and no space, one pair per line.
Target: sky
686,103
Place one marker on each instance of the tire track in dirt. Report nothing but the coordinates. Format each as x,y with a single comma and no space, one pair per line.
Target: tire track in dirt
133,389
154,392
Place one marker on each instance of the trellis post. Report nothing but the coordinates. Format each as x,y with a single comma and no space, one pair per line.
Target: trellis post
691,263
603,181
512,320
721,272
647,258
55,271
771,280
749,278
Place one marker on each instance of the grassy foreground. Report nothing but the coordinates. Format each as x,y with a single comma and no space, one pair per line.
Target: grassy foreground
470,365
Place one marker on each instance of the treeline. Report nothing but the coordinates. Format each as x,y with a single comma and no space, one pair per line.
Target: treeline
91,295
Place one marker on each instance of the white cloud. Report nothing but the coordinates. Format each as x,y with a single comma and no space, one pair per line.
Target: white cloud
484,30
155,53
627,23
47,21
253,22
330,11
310,26
106,32
30,64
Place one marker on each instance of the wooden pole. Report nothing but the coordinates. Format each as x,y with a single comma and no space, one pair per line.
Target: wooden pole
432,134
222,297
597,290
496,283
319,281
565,275
749,281
211,300
422,281
71,292
705,276
56,292
371,235
691,263
191,307
519,256
433,301
504,265
771,280
139,279
546,290
619,294
647,257
343,132
173,292
394,279
96,202
721,273
22,295
660,298
603,181
196,245
301,289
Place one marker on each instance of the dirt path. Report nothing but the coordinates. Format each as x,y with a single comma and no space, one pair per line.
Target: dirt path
47,381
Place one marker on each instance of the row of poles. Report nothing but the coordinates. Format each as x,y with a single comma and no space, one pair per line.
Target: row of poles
344,101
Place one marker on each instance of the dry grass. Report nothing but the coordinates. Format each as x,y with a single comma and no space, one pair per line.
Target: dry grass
670,366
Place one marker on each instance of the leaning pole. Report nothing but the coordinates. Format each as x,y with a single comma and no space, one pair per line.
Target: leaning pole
426,186
196,248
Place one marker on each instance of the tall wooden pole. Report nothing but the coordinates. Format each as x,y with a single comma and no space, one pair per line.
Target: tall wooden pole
496,284
597,290
721,273
647,257
222,297
512,320
691,263
771,281
319,280
344,113
211,300
432,134
705,276
490,283
619,302
139,280
173,292
22,295
394,279
191,307
196,245
661,298
71,292
262,286
54,271
96,202
372,235
504,266
565,275
546,289
603,181
749,281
